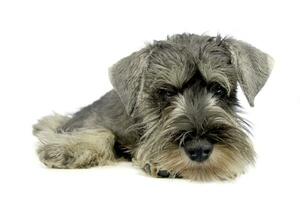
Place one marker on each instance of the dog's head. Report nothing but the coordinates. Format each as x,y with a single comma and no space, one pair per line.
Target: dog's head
183,91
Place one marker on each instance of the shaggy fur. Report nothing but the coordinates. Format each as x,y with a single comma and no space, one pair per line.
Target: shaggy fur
173,112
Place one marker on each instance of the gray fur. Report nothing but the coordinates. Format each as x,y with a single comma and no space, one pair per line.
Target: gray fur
168,98
252,66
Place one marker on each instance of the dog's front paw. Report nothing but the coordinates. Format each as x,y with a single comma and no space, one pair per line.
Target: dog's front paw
152,170
56,156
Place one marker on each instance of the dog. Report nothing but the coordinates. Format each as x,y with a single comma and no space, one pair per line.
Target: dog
173,111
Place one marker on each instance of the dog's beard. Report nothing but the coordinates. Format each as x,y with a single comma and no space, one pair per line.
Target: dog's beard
161,144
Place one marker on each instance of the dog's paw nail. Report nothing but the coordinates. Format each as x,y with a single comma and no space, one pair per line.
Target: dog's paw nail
178,176
163,174
147,168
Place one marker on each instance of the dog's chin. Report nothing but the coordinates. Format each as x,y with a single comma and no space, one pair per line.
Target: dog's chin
223,164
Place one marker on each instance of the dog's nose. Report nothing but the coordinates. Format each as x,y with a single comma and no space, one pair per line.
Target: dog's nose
199,151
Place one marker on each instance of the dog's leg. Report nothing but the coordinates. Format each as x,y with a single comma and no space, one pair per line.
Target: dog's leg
82,148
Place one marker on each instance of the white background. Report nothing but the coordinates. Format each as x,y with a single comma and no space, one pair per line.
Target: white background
54,56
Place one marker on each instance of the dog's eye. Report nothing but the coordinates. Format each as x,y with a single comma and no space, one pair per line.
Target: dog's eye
166,94
218,90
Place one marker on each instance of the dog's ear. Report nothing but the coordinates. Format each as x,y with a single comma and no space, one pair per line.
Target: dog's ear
126,76
252,66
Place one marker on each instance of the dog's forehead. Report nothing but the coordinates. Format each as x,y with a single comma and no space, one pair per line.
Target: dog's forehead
170,64
173,64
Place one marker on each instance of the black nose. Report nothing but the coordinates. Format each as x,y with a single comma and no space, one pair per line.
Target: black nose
198,150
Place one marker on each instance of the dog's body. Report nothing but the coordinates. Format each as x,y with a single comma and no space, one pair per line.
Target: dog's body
173,111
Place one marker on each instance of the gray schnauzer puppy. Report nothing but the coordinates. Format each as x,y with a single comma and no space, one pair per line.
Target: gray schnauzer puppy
173,111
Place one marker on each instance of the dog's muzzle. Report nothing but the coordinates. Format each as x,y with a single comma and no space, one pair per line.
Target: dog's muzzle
197,149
